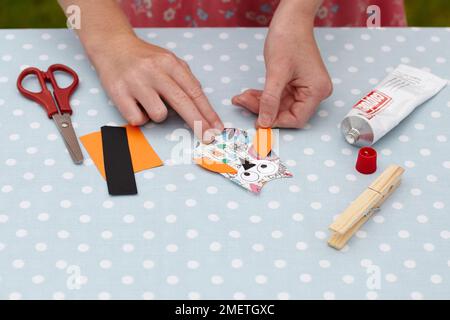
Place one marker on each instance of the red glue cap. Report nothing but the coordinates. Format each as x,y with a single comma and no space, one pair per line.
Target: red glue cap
367,160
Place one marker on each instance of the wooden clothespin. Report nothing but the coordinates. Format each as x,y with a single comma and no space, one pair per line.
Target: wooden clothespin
362,208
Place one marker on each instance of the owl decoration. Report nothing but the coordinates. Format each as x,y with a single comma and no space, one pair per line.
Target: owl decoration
248,163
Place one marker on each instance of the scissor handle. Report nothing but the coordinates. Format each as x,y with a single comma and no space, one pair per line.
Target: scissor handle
62,95
43,97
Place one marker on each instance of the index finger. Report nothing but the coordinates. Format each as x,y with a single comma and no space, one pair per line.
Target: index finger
184,106
183,76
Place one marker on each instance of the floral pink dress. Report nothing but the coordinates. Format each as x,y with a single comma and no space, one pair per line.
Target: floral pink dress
253,13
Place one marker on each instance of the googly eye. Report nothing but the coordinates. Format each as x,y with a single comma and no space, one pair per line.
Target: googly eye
266,167
249,176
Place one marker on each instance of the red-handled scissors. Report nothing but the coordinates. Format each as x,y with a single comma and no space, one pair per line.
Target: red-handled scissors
57,105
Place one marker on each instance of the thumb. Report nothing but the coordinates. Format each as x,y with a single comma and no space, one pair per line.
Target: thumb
269,104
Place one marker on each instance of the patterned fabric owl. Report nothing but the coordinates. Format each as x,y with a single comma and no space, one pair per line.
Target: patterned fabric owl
250,164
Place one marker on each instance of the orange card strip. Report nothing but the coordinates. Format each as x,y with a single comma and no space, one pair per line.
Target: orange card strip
215,166
262,142
142,154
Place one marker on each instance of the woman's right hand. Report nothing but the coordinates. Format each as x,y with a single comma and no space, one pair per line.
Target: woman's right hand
138,76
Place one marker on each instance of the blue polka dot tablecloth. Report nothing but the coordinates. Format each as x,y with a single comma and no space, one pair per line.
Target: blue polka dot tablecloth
191,234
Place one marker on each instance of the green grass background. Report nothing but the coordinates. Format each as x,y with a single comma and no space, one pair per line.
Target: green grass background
47,14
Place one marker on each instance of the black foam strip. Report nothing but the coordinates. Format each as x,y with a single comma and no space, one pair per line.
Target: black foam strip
117,159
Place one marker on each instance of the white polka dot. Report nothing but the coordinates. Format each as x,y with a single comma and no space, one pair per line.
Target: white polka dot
441,138
105,264
61,264
436,279
148,264
403,138
106,234
232,205
334,189
215,246
225,80
190,203
255,219
239,296
348,279
18,264
445,234
104,296
280,264
207,46
261,279
346,151
192,233
108,204
224,57
316,205
127,280
41,246
43,216
324,264
84,218
211,190
352,69
404,234
172,248
223,35
236,263
149,205
438,205
217,280
428,247
308,151
172,280
349,46
25,204
297,217
410,164
83,247
294,188
328,295
305,278
21,233
405,60
46,36
38,279
258,247
425,152
422,218
171,187
420,49
192,264
301,246
86,189
242,45
49,162
410,264
273,204
63,234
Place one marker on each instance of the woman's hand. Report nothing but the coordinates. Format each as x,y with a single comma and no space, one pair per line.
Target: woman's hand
296,78
139,76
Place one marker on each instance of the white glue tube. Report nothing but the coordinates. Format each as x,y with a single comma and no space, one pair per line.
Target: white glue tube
389,103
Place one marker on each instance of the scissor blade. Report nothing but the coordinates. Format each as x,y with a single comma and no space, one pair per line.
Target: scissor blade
64,125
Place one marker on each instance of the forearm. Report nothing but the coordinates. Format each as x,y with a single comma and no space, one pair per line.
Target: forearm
102,23
296,13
